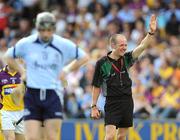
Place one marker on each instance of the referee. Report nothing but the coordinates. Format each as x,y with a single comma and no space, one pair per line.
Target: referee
111,75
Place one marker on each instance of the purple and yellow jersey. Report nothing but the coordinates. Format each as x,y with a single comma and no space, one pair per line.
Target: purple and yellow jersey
8,81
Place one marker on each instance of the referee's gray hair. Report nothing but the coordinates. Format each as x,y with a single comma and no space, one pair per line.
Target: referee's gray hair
45,20
112,39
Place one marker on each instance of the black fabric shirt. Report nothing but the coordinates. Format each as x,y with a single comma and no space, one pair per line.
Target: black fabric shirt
113,82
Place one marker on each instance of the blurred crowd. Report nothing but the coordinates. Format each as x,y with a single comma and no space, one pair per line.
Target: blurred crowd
89,23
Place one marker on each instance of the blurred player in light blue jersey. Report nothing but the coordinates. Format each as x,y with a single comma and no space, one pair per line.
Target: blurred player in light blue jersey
45,55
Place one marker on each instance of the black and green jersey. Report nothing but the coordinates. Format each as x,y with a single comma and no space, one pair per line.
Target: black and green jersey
112,81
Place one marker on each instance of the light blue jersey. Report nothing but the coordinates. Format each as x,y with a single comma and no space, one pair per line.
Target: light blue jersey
44,61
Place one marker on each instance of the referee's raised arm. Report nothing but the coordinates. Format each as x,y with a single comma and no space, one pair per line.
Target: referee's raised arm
145,42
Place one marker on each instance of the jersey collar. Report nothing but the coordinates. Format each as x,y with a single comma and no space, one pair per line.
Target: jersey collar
112,58
39,41
7,71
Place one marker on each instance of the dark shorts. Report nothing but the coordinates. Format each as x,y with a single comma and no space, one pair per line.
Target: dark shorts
42,104
119,111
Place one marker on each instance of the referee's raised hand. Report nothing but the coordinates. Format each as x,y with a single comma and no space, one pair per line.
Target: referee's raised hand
153,24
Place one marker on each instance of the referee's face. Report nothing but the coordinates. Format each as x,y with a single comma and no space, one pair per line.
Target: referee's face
121,45
46,34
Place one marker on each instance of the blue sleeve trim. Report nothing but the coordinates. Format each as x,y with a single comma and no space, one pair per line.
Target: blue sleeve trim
14,52
77,54
57,49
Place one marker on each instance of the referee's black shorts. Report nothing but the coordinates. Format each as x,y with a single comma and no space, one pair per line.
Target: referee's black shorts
119,111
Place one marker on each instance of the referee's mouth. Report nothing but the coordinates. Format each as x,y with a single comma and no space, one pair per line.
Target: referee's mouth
122,51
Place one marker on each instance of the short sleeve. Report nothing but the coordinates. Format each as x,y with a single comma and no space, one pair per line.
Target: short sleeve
97,77
129,61
73,51
18,50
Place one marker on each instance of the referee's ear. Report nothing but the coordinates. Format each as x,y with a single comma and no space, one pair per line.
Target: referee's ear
113,46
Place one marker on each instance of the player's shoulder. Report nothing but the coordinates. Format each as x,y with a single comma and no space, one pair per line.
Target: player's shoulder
101,60
2,71
129,53
28,39
61,40
31,38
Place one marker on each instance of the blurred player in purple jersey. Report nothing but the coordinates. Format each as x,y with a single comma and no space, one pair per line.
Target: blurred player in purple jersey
11,113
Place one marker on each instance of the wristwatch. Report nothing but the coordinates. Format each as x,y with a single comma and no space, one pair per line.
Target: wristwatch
150,33
92,106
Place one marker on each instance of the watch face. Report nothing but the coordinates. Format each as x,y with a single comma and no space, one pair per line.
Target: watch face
92,106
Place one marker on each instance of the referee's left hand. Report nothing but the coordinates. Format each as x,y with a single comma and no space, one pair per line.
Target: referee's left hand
95,113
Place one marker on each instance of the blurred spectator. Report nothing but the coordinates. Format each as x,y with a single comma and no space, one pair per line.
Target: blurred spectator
16,4
24,27
83,3
5,11
3,48
86,102
113,13
142,108
113,27
172,9
165,73
73,110
3,45
173,26
156,91
126,14
177,74
169,104
139,31
87,77
137,4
